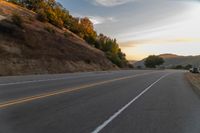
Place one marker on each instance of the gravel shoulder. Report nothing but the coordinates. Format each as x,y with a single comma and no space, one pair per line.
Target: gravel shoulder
194,80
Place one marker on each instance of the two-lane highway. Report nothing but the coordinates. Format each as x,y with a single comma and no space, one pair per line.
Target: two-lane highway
119,101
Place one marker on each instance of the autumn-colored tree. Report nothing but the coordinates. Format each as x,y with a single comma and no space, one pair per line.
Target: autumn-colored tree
112,50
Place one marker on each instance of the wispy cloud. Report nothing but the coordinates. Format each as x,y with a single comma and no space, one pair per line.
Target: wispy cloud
100,20
134,43
109,3
96,20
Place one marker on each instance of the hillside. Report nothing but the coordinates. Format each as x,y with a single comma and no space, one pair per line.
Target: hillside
174,60
168,56
132,61
37,47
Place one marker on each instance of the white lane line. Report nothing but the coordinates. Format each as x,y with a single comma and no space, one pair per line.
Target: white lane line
102,126
44,80
31,81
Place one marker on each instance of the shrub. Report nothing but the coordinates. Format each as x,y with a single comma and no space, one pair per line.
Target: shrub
57,22
17,19
88,61
54,19
49,29
66,34
130,65
31,19
41,16
139,67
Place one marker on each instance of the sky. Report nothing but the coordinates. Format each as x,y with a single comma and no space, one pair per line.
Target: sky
144,27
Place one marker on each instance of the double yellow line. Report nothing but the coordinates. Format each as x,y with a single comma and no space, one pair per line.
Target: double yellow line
63,91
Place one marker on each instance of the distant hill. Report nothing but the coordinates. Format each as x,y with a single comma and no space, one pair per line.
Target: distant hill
132,61
174,60
168,56
40,48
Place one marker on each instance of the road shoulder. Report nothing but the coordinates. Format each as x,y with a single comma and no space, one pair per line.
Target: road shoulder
194,80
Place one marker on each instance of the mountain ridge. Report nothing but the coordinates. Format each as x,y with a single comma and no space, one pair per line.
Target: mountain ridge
172,60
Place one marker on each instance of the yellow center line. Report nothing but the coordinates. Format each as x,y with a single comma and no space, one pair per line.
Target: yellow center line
49,94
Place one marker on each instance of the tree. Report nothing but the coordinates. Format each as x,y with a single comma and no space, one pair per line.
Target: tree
152,61
187,67
87,31
178,67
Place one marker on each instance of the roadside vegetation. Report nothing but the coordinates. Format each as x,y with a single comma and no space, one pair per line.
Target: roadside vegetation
153,61
182,67
54,13
194,79
17,20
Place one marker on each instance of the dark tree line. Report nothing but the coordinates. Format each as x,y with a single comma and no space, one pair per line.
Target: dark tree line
54,13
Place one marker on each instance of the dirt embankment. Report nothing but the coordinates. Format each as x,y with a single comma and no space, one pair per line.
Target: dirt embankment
194,79
38,48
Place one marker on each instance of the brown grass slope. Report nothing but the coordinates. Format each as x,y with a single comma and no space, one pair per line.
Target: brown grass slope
35,50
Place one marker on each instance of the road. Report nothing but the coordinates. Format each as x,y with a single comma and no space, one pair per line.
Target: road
128,101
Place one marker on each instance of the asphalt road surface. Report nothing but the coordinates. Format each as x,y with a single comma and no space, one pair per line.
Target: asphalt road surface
107,102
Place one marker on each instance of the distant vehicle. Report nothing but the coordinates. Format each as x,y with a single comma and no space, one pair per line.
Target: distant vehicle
194,70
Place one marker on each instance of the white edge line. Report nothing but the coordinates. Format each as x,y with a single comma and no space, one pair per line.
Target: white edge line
102,126
40,80
31,81
43,80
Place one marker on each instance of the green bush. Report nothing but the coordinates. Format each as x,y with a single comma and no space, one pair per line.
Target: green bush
153,61
17,20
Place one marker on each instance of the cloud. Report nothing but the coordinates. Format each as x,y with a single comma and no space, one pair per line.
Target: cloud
130,44
97,20
109,3
100,20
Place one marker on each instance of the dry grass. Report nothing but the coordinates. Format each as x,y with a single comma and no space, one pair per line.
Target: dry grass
8,9
34,50
194,79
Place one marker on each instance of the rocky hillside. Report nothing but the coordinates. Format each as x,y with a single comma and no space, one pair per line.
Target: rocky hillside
172,60
28,46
